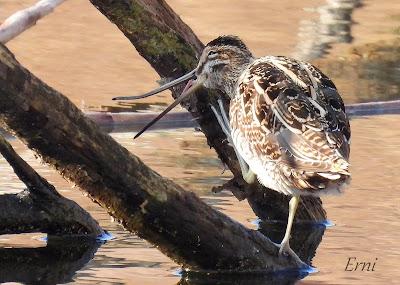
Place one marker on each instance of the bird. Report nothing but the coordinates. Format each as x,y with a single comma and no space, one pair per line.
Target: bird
287,121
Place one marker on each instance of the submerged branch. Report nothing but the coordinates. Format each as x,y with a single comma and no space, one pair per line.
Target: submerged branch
40,208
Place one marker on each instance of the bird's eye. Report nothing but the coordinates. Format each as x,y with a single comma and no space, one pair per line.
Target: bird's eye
211,52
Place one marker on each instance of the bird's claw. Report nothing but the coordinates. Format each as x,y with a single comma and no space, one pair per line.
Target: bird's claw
286,251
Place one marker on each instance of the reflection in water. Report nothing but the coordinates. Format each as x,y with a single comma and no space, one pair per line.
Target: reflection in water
304,241
62,257
56,263
282,278
123,106
183,155
368,73
333,26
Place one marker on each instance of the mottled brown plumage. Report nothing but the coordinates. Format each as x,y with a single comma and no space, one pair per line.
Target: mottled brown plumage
287,121
297,132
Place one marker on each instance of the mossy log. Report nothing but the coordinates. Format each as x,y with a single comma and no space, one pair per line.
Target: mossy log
40,208
182,226
172,49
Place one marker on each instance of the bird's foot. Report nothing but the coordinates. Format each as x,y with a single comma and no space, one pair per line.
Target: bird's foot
285,250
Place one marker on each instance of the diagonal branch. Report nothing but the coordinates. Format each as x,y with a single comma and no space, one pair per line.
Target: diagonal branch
40,208
171,48
176,221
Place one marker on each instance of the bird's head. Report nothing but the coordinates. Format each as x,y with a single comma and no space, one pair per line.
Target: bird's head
220,64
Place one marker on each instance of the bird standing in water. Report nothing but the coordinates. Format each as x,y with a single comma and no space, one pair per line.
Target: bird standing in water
287,121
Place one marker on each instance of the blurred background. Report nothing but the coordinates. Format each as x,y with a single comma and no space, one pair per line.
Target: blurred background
80,53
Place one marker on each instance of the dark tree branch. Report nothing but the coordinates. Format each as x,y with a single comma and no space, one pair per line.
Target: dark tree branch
172,48
40,208
178,222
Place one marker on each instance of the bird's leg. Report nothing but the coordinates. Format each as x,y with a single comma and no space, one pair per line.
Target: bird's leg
285,246
223,121
223,113
225,128
247,174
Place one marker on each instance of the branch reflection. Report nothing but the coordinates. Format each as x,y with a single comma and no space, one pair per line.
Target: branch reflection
56,263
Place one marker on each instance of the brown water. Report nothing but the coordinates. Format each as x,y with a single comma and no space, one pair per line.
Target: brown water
82,55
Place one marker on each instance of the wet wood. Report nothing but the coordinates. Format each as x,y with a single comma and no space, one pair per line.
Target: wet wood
40,208
182,226
373,108
135,121
172,48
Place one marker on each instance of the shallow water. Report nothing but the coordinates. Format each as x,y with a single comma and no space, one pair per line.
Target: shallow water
86,58
365,218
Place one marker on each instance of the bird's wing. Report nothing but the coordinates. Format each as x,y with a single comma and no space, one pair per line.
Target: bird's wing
291,113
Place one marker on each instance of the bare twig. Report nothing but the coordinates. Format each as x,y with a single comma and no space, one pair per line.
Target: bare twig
26,18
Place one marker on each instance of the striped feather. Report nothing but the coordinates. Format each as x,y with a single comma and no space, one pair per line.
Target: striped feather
289,124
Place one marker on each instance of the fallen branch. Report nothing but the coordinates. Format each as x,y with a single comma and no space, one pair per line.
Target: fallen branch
40,208
24,19
172,48
176,221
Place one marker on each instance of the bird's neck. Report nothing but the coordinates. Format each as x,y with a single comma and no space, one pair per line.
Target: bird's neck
231,79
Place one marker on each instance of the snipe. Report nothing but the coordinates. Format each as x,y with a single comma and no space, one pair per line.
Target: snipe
287,121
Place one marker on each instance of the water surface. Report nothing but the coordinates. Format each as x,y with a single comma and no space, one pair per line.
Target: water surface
356,42
365,217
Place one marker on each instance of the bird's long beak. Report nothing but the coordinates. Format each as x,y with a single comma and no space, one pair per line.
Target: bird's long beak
181,79
190,88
